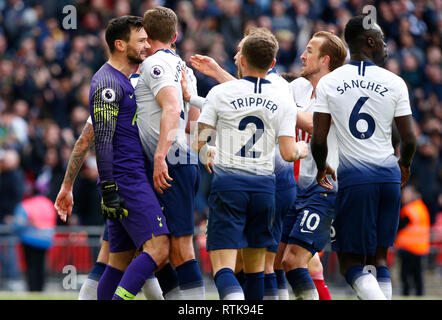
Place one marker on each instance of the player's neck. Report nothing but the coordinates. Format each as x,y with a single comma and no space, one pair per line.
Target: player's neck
253,73
361,56
314,79
122,65
157,45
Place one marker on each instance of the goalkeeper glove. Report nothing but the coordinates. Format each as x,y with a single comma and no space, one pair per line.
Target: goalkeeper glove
112,206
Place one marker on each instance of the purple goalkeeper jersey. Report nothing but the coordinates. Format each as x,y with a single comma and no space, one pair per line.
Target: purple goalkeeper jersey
114,116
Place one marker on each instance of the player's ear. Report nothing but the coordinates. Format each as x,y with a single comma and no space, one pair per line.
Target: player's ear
175,37
371,42
242,60
326,60
273,64
120,45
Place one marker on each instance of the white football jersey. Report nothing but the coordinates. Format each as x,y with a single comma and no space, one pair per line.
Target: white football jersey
363,101
249,115
134,77
302,91
162,69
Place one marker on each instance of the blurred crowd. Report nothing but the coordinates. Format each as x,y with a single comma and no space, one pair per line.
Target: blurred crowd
45,73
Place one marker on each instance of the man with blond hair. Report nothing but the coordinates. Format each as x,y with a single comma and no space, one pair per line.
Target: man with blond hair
307,226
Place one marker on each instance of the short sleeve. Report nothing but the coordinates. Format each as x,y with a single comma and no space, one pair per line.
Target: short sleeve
157,74
89,120
402,99
208,114
287,118
321,101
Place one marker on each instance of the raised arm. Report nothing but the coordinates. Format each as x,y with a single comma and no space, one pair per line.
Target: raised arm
64,202
211,68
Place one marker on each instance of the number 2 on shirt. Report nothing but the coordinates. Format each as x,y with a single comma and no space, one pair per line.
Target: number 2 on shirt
245,150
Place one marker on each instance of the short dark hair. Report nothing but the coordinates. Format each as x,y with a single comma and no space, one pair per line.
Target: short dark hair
354,29
259,50
161,24
120,28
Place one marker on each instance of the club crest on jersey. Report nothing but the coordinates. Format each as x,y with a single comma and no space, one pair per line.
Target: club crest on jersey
156,72
108,95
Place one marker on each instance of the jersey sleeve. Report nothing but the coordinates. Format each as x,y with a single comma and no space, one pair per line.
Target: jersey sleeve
197,101
104,106
158,74
287,119
89,120
208,114
402,99
321,101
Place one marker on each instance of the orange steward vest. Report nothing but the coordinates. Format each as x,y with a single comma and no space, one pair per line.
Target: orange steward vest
415,237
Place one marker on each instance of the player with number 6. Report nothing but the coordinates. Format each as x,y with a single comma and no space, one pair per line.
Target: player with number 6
369,174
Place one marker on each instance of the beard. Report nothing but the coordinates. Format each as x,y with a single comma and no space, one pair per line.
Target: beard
135,57
308,73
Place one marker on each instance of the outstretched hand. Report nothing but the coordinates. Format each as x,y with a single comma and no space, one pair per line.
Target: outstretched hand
205,65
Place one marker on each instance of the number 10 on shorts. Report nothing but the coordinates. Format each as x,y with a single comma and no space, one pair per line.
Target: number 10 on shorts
311,221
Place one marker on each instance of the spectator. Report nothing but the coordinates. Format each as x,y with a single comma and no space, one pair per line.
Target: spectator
280,20
49,180
426,165
34,222
231,25
413,240
204,9
411,72
287,53
11,192
11,183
